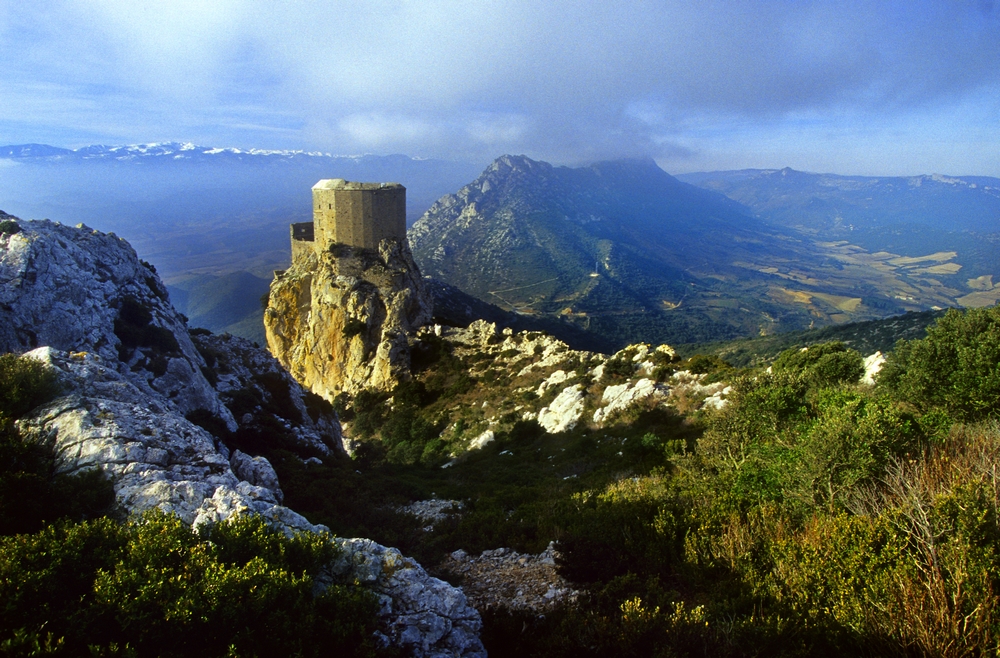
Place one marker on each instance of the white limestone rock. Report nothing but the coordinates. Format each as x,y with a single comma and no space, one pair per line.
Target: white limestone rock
873,365
257,471
157,458
564,412
82,290
557,377
622,396
152,454
718,399
482,440
428,616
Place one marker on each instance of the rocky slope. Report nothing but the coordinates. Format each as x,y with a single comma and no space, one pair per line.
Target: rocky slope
532,376
341,322
167,416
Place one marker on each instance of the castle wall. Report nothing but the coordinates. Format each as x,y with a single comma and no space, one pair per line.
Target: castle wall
303,237
358,214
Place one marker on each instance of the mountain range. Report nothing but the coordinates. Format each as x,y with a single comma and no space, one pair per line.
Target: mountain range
601,255
628,252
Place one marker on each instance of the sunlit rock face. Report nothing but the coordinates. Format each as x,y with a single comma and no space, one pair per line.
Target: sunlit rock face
340,320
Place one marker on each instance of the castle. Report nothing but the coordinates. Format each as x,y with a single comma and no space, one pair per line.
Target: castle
353,214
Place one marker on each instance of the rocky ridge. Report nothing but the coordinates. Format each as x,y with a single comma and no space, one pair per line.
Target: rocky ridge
82,290
340,322
534,376
134,382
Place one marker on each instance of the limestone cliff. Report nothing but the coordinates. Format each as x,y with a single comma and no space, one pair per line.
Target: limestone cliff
341,320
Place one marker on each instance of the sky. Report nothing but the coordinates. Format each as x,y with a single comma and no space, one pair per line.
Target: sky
849,87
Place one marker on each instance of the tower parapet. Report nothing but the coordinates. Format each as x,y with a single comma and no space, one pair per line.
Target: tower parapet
358,214
353,214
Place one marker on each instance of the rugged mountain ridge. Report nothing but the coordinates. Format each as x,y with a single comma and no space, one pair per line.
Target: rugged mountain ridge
500,230
173,418
608,246
627,252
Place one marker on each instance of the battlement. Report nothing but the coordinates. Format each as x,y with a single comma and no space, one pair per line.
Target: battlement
353,214
358,214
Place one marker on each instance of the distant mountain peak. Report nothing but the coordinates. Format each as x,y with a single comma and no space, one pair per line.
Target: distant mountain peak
156,150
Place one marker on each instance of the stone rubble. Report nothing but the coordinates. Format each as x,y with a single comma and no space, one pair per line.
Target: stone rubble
505,579
431,512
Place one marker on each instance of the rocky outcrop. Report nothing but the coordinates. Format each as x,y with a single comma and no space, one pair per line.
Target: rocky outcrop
82,290
153,455
340,321
564,412
138,394
873,366
264,398
619,398
156,458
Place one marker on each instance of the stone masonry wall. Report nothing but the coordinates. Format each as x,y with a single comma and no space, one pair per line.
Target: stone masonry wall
357,214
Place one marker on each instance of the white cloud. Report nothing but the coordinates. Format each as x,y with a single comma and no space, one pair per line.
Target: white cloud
560,79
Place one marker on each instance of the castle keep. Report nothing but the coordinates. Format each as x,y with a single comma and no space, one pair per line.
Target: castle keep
353,214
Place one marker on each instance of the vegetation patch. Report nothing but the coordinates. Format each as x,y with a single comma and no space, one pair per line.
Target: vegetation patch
134,329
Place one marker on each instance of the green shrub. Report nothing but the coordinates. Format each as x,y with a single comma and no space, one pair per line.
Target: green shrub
9,227
24,384
702,364
826,364
956,368
156,588
618,368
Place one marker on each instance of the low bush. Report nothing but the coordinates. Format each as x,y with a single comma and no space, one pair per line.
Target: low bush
152,587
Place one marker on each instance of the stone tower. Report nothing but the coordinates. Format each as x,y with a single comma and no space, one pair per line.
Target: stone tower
340,319
352,214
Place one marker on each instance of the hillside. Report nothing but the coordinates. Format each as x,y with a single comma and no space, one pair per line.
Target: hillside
630,504
627,252
865,337
170,424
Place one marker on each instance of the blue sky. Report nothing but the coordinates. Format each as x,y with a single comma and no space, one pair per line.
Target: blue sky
881,88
